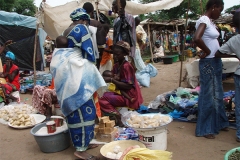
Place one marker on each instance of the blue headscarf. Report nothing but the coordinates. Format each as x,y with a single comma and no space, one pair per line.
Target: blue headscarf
157,42
79,14
10,55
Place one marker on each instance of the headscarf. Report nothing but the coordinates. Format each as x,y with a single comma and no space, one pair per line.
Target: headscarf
79,14
157,42
124,45
10,55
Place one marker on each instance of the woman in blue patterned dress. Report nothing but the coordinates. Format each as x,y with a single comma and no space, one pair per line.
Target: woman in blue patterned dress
73,70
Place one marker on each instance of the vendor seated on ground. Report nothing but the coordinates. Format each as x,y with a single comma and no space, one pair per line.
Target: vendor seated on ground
112,87
44,98
158,51
11,75
127,82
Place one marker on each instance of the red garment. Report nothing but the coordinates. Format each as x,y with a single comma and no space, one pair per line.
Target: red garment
110,101
106,56
15,81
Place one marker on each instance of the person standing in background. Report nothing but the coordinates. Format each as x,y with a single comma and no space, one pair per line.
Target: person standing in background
141,39
227,50
101,31
211,112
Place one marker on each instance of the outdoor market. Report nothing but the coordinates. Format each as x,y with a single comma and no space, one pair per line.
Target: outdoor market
95,80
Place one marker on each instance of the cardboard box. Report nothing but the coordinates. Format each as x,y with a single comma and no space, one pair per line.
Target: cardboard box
96,128
110,123
107,137
102,125
104,119
101,130
108,130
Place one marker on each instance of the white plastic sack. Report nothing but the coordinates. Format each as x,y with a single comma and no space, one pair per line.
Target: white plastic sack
143,78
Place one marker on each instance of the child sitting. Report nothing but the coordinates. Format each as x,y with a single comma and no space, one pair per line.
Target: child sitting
112,87
158,52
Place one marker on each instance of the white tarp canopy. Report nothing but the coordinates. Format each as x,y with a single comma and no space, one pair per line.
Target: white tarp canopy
56,19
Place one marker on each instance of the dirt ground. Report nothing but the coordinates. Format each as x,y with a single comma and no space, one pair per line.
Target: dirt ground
21,145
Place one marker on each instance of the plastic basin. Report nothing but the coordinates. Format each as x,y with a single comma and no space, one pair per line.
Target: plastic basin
51,143
230,152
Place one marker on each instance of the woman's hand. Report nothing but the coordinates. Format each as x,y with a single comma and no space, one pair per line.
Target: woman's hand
201,54
8,42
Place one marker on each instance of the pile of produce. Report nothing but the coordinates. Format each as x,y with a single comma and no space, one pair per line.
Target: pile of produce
18,114
141,121
235,155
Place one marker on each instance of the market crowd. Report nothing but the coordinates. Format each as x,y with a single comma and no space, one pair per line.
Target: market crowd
87,60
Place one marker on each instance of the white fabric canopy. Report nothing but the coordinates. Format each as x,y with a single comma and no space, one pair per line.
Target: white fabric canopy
56,19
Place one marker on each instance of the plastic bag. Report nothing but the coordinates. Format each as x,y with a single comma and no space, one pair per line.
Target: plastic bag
143,79
147,154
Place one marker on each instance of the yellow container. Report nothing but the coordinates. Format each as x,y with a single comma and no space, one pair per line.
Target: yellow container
189,53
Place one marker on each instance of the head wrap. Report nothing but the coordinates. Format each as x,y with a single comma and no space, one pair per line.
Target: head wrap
157,42
10,55
124,45
79,14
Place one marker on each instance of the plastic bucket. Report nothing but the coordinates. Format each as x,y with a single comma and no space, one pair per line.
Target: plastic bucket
230,152
51,143
155,139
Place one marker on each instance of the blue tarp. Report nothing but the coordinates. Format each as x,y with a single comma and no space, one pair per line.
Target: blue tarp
21,29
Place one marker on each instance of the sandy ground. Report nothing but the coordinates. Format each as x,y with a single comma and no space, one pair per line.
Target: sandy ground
20,144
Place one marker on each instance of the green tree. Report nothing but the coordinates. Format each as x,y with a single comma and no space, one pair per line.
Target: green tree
25,7
179,11
7,5
228,10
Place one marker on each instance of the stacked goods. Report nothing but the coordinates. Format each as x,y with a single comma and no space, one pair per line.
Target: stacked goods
105,131
16,113
22,120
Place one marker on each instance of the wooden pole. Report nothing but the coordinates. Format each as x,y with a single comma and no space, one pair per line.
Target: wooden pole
201,6
150,44
96,3
183,53
34,54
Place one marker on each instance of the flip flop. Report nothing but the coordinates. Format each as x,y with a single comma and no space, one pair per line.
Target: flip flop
225,129
84,155
209,136
91,146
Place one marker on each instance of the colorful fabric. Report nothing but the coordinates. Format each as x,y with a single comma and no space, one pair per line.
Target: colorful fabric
80,37
79,14
10,55
98,109
15,81
111,100
106,55
81,124
112,87
43,96
9,88
125,45
76,78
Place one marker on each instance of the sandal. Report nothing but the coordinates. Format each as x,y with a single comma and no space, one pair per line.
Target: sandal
225,129
84,155
91,146
209,136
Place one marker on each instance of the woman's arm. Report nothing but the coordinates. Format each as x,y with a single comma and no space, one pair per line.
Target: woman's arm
120,85
4,45
199,42
12,75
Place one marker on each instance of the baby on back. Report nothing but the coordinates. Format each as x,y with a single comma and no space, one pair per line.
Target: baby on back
62,42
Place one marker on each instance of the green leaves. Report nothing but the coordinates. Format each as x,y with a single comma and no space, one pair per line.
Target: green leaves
25,7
